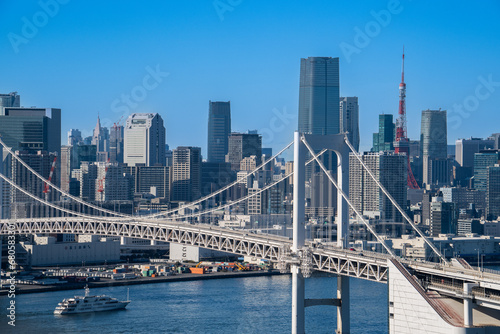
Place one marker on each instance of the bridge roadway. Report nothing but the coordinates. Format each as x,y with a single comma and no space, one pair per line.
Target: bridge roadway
372,266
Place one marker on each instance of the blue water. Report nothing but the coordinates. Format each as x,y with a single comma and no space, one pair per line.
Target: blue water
235,305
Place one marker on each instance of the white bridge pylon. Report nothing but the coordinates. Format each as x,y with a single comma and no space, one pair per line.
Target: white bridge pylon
302,143
339,144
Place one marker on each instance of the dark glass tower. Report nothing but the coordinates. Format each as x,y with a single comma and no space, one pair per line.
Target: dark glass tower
383,140
433,140
319,96
319,102
219,128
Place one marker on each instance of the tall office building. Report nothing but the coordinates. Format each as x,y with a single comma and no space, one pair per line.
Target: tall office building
443,217
465,149
112,184
10,100
323,197
242,145
349,119
319,101
219,128
214,176
87,177
496,140
383,140
493,193
464,197
41,162
116,144
100,138
74,137
67,165
319,96
36,129
433,140
483,160
155,180
186,176
390,170
144,141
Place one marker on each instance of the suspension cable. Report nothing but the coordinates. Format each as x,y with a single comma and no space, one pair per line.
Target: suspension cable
403,213
332,180
77,199
222,189
12,183
250,195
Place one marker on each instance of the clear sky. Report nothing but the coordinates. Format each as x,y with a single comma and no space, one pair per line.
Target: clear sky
85,57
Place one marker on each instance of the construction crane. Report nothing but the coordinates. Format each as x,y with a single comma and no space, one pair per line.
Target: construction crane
402,144
101,181
46,187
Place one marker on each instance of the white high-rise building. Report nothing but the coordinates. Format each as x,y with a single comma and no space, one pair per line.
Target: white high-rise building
144,140
390,170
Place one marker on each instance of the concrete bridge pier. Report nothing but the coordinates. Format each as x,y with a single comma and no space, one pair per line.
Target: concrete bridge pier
468,321
343,314
299,190
337,144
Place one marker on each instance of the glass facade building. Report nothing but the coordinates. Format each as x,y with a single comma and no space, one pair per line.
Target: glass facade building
219,128
433,140
31,129
483,160
319,96
383,140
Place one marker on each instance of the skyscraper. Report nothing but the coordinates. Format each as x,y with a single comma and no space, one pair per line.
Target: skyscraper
390,170
319,101
433,140
443,217
144,141
74,137
10,100
40,161
319,96
493,192
116,144
483,160
219,128
100,139
186,179
242,145
349,119
383,140
465,149
31,128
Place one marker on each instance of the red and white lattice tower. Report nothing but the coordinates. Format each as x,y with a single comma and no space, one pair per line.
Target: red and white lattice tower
402,144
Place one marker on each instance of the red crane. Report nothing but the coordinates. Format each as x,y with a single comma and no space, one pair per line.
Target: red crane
47,188
101,181
402,144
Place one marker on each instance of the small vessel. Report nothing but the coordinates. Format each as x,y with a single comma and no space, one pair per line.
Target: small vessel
87,303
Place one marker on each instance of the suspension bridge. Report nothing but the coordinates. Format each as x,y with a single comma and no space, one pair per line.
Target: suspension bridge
424,297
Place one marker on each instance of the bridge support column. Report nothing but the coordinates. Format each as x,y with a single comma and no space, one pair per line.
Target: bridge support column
299,190
343,314
298,297
468,321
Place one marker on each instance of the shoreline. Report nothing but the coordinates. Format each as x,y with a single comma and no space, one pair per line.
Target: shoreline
26,289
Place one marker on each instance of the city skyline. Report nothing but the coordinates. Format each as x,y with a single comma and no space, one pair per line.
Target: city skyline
162,65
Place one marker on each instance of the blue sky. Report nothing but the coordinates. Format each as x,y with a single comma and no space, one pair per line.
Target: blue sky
83,56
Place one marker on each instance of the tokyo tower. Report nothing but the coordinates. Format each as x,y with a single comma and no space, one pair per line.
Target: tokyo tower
402,145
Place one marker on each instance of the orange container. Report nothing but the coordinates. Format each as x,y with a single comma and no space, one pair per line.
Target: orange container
197,270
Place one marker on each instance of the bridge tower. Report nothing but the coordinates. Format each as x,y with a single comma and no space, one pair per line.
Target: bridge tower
337,144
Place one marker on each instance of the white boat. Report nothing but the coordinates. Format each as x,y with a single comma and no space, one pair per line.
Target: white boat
87,303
